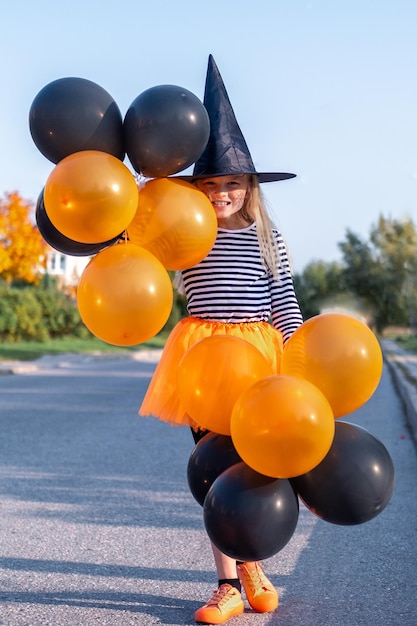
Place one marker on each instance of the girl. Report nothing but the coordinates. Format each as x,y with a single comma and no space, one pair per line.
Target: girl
243,288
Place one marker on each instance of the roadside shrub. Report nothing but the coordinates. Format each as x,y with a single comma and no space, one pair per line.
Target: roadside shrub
44,311
20,316
32,313
60,314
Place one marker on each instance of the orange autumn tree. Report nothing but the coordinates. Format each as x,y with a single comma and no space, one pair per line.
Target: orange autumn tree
22,249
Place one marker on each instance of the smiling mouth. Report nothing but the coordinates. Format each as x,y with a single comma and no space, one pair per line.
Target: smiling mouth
220,204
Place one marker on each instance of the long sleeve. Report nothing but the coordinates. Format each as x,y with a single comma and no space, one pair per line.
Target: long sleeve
285,310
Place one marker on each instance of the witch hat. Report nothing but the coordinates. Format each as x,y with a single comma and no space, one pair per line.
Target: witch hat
226,153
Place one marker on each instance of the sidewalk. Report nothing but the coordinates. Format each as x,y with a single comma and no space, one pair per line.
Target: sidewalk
403,368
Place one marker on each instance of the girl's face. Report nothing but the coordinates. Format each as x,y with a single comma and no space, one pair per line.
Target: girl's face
227,195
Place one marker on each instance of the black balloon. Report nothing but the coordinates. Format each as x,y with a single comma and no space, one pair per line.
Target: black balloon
353,483
74,114
248,516
166,129
212,455
60,242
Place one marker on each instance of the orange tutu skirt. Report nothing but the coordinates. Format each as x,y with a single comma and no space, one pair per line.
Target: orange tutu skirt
161,399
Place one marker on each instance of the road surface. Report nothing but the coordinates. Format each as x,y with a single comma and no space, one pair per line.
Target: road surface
98,526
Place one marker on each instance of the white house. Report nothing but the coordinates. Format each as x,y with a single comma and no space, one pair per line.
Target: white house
66,268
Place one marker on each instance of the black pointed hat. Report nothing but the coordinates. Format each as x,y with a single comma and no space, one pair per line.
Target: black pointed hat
226,153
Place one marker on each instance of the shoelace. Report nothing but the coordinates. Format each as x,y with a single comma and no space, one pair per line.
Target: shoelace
256,579
219,597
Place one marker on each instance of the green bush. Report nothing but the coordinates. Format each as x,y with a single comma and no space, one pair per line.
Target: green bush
60,314
31,313
20,316
43,312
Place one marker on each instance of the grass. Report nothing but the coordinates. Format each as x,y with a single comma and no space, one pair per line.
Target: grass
404,337
408,343
32,350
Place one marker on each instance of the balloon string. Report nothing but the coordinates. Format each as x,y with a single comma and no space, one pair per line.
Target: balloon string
123,238
140,180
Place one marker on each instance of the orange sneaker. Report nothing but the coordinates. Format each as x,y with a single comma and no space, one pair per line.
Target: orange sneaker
260,592
225,603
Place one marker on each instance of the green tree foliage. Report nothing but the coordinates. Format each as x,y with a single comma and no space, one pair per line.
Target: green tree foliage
318,283
381,271
377,276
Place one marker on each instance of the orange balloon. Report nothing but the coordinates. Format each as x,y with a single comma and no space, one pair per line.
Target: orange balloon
124,295
340,355
90,196
282,426
213,373
175,221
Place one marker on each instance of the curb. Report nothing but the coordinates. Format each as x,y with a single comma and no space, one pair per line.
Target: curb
56,360
17,367
406,390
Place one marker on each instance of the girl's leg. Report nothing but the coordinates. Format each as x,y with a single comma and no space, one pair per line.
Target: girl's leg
225,565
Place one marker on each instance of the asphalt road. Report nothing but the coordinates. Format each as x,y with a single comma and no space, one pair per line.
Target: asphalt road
98,526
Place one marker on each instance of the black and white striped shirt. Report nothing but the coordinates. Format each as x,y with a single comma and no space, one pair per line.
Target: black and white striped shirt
232,284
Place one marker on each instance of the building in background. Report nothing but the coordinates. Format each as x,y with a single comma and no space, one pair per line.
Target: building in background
65,268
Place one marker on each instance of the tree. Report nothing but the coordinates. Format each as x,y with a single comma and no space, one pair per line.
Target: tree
382,271
318,283
22,249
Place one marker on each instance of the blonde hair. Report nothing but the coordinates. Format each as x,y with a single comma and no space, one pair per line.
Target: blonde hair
254,210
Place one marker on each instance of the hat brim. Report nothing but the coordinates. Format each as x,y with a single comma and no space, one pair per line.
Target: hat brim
263,177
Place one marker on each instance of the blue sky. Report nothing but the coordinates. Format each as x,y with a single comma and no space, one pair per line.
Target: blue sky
323,88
